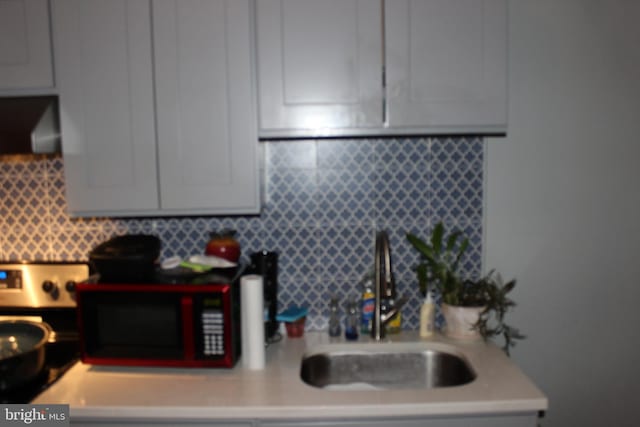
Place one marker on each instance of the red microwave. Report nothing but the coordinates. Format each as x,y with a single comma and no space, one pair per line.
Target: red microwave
159,324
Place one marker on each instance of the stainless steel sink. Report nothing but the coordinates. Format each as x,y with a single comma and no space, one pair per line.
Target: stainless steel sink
385,366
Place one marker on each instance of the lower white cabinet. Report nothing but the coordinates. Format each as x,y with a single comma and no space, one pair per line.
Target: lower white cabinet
157,106
162,423
512,420
507,420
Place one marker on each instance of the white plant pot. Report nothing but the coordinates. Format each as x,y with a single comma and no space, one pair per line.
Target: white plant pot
459,321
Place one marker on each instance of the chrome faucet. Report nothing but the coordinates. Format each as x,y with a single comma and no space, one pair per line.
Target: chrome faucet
385,287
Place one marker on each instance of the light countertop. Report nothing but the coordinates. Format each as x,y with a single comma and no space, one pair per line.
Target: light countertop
277,392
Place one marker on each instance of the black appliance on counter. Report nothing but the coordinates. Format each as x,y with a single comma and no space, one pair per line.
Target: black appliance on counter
134,313
42,292
174,319
132,258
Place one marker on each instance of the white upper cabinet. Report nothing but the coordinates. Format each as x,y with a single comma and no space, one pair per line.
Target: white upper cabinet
371,67
207,131
105,83
25,45
319,66
446,67
157,106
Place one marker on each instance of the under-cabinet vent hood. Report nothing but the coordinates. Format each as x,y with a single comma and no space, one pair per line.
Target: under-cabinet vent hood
29,125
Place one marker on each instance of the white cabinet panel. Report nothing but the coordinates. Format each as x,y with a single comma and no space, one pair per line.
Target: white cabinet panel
446,64
25,45
206,122
105,82
183,69
358,67
319,65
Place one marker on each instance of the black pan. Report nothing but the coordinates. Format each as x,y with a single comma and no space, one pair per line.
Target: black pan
22,351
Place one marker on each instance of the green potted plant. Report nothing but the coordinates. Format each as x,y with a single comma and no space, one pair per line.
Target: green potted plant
471,307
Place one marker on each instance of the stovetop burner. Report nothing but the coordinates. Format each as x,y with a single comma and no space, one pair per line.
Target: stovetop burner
60,357
44,291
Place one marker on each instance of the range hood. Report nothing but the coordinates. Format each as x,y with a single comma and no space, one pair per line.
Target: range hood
29,125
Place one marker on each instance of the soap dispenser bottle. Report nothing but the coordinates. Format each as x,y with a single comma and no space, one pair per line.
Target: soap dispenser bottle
352,320
334,318
427,316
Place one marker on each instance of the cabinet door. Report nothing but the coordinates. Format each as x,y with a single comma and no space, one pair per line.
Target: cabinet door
103,63
319,66
446,65
207,131
25,45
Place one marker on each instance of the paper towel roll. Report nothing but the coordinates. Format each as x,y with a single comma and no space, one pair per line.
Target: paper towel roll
252,320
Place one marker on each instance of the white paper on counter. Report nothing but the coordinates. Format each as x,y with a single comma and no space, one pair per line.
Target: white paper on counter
252,320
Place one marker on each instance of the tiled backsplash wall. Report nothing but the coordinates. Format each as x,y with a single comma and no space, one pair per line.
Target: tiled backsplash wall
324,200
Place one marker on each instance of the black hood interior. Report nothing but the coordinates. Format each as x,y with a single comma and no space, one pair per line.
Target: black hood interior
29,125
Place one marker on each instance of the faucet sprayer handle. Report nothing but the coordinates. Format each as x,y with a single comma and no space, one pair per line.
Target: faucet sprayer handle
386,317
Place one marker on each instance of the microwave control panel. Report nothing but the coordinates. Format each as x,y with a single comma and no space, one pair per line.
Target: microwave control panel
211,311
213,332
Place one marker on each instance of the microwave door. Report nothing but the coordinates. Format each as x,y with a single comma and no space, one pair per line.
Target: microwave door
133,326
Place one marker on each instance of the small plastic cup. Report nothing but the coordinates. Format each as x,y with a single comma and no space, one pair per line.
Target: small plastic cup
295,329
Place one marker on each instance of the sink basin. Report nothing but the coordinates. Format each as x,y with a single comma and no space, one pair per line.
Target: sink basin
385,366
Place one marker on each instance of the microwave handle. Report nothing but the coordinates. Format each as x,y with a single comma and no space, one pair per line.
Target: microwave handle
187,327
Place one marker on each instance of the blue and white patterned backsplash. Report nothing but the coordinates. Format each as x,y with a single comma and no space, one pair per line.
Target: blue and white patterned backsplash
324,201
